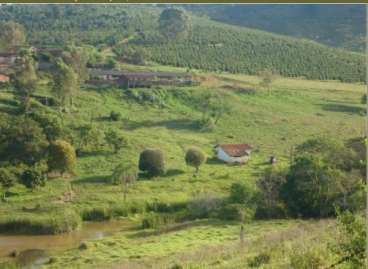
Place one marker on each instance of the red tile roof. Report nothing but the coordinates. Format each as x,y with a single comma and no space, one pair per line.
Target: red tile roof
4,78
235,150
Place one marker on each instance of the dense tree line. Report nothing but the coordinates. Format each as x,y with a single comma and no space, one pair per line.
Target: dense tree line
324,174
333,25
93,24
216,47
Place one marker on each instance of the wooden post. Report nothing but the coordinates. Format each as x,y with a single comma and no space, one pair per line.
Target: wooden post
291,155
241,235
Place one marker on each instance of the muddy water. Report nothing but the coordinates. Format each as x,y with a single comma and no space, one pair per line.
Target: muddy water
89,231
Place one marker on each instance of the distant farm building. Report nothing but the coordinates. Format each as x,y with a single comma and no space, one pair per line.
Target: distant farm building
51,51
8,58
233,153
138,79
7,61
4,78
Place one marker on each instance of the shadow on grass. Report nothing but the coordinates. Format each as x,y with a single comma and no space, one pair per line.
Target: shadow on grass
144,176
102,118
85,154
169,173
93,180
213,161
178,124
178,227
8,102
173,172
336,107
10,110
241,90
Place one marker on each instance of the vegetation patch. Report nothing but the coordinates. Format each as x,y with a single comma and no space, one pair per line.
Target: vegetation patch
54,222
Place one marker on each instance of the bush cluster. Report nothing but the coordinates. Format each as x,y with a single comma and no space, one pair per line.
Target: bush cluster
323,176
195,157
152,162
62,156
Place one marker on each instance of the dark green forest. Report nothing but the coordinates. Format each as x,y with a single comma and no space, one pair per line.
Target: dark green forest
334,25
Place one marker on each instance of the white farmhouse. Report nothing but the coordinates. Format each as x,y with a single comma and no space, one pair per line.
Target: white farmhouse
233,153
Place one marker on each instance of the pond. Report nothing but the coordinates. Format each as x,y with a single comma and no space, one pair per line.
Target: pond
89,231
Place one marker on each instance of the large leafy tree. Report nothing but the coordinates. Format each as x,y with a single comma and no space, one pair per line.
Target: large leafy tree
174,23
21,141
314,187
124,174
269,200
333,151
89,137
77,59
25,80
12,34
66,82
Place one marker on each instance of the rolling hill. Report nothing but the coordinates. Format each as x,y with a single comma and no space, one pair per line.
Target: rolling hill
211,46
334,25
179,218
271,121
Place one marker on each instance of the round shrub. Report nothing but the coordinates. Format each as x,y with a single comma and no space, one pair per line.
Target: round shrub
195,157
152,162
33,178
62,156
115,116
83,246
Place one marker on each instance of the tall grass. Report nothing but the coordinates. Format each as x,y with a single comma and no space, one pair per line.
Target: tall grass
59,221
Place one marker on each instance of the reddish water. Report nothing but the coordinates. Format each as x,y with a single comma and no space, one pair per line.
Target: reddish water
89,231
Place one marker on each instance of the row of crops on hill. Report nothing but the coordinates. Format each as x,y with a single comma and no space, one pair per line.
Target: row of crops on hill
215,47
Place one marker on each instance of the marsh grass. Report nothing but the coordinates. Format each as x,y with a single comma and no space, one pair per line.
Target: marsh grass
54,222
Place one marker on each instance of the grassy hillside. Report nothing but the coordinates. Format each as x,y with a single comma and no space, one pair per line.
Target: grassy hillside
179,218
334,25
210,46
272,121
